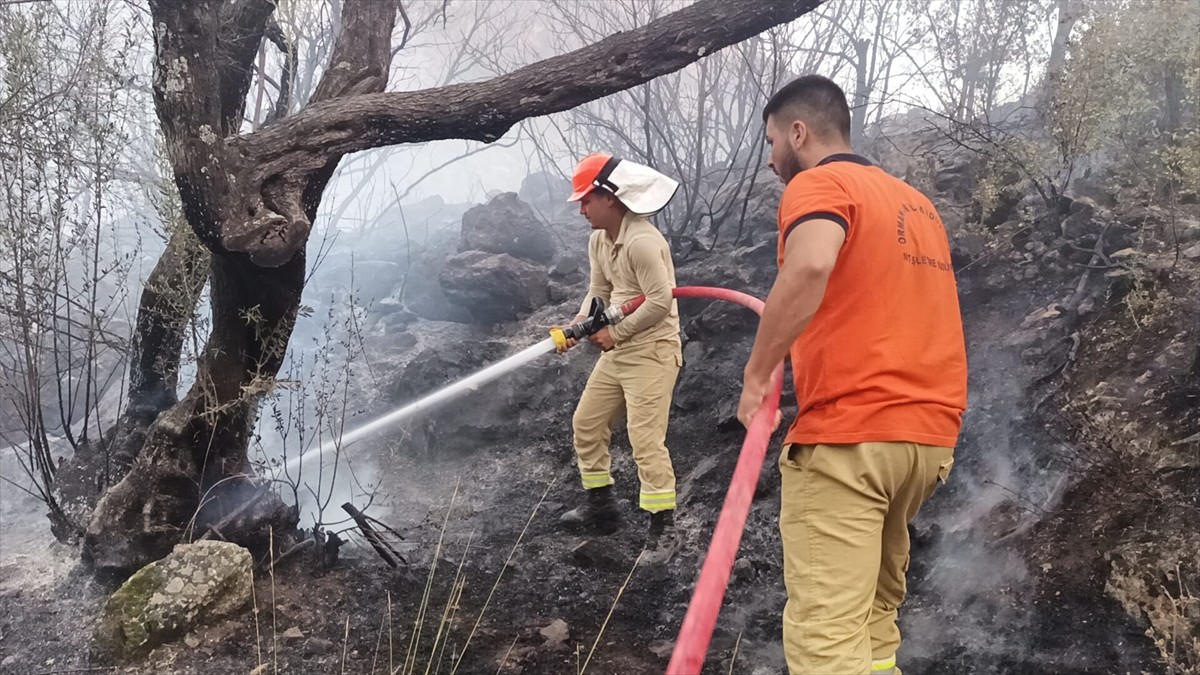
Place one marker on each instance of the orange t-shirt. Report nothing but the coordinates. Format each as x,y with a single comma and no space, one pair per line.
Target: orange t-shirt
883,358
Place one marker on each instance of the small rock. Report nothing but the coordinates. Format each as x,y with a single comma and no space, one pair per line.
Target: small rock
1192,252
260,669
315,646
556,633
743,569
662,648
293,633
191,640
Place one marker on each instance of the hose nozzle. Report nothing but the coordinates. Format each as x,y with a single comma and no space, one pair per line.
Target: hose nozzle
559,335
598,317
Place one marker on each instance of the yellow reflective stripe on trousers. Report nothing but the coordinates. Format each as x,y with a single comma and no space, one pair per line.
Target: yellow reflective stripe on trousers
658,501
598,479
883,665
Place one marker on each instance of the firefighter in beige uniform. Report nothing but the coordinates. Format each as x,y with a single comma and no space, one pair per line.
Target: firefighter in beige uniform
641,356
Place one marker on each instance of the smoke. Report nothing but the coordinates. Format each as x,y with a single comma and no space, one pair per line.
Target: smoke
971,586
29,557
322,388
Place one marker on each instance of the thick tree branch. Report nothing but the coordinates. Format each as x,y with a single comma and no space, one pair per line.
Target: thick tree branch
204,47
343,118
362,54
287,202
484,111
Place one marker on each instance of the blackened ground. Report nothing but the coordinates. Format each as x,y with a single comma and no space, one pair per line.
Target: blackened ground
980,602
1008,572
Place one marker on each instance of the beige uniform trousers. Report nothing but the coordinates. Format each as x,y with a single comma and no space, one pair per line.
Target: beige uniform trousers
639,380
844,518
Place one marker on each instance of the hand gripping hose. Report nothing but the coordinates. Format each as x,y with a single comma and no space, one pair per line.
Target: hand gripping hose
696,631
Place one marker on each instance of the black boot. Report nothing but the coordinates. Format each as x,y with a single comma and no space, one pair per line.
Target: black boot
662,539
599,511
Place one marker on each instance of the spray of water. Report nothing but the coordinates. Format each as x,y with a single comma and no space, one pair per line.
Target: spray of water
467,384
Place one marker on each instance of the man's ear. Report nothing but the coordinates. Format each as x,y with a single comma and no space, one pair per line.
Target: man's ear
798,134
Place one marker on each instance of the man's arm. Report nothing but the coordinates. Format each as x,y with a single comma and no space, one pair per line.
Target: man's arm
598,286
810,253
655,282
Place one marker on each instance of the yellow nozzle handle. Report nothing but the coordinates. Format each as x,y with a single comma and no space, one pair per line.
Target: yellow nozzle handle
560,338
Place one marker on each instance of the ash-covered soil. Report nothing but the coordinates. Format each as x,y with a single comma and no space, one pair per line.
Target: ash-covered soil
1011,569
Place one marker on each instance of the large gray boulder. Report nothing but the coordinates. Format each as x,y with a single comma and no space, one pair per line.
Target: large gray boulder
494,288
506,224
197,584
545,188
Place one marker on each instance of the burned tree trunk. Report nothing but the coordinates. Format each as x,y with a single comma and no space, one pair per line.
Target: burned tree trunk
167,305
1068,15
193,466
862,92
251,200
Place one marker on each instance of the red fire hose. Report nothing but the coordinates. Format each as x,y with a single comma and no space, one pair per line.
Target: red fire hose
696,631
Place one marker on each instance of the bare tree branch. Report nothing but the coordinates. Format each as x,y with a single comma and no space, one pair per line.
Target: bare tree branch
241,30
407,29
275,34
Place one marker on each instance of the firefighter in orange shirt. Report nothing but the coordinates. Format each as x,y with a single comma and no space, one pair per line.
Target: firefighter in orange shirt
866,304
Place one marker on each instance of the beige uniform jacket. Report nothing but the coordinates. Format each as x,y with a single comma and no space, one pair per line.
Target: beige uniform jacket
637,263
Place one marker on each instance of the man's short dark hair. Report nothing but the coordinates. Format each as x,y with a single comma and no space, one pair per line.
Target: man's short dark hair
817,100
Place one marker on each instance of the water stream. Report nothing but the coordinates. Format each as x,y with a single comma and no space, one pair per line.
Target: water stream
450,391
